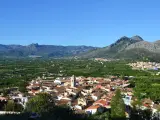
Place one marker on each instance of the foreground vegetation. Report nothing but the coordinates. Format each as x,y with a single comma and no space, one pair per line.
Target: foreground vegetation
48,111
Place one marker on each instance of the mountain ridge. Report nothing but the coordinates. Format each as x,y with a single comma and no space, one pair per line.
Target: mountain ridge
124,47
42,50
127,47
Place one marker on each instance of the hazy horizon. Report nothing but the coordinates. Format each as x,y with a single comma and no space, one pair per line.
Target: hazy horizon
70,44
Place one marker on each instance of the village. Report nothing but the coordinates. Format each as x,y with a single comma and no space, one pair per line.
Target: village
145,65
83,95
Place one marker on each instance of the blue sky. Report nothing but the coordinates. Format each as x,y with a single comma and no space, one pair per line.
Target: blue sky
77,22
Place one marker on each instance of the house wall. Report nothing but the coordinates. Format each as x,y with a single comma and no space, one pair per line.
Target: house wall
7,112
92,111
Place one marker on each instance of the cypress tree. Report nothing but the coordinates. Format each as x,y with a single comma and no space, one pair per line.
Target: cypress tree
117,106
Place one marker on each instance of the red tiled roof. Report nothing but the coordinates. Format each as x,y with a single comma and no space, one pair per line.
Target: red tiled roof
35,91
65,81
100,102
60,89
35,85
75,102
100,80
3,98
93,107
147,101
156,106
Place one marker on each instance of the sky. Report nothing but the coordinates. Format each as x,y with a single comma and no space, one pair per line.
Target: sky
77,22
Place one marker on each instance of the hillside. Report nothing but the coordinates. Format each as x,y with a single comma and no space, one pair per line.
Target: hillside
130,48
42,50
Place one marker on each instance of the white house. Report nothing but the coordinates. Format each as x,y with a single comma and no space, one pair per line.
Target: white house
127,100
57,82
92,109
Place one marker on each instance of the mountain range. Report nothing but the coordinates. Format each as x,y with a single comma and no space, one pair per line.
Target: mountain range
36,50
124,48
128,48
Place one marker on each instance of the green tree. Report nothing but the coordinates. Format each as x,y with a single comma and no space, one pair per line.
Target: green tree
22,87
5,92
10,106
137,104
40,104
117,106
18,108
100,116
138,114
142,89
154,93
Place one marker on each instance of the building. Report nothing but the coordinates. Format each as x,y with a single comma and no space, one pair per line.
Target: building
73,81
82,101
92,109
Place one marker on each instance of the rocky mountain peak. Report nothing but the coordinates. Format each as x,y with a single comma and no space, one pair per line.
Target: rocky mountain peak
34,44
137,38
124,37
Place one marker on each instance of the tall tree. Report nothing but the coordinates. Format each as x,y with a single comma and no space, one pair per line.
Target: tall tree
10,106
22,87
40,104
117,106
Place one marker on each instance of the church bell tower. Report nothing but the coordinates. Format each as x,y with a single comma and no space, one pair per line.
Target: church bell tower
73,81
